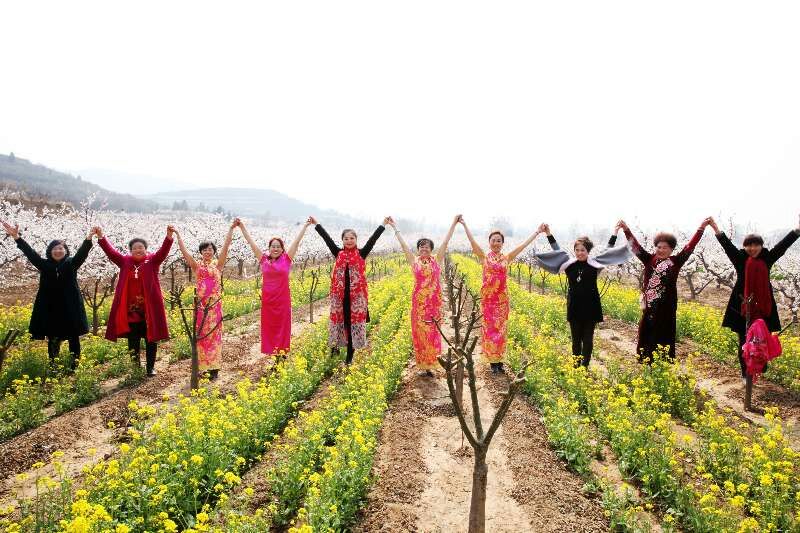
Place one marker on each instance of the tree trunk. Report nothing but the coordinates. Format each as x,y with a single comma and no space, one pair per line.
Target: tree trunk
95,319
692,290
477,506
195,381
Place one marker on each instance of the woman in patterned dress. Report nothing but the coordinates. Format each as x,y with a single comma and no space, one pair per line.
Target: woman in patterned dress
659,299
276,298
494,293
426,300
349,294
208,273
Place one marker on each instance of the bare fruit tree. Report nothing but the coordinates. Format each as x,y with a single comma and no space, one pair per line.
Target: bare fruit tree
461,352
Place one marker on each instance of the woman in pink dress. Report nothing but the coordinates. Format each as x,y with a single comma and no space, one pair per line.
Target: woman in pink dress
276,300
494,293
208,273
426,300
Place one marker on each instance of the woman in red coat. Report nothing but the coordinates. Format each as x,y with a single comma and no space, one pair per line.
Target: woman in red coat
138,308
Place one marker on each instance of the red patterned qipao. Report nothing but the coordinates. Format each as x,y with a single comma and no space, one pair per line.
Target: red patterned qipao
426,306
494,305
209,291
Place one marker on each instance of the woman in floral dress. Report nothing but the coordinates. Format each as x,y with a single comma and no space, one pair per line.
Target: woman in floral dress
494,293
208,273
426,299
659,299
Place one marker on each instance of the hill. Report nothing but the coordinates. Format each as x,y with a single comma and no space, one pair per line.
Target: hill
39,181
262,203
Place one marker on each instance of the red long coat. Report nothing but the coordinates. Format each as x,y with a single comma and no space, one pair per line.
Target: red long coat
155,315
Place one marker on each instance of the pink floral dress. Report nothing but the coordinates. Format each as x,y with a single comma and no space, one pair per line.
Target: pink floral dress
209,291
426,306
494,306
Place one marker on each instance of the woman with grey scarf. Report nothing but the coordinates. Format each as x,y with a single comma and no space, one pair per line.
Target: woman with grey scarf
584,310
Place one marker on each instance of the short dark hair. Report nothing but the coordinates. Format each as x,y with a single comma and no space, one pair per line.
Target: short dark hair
134,241
206,244
424,240
663,236
753,238
584,241
48,253
497,232
348,230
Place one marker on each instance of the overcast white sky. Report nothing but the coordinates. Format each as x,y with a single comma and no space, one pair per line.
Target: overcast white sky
565,111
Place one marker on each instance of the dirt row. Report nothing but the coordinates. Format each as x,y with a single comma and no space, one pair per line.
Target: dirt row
98,426
423,468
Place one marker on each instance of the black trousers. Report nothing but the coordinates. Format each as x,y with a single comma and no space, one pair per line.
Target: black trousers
54,347
582,340
138,332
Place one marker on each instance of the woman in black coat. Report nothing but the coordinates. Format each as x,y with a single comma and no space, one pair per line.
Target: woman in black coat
753,247
58,312
584,310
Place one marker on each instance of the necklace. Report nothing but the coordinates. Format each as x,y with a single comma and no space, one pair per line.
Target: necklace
136,271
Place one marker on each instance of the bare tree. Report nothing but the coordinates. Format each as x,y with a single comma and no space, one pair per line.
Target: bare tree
194,330
460,351
8,340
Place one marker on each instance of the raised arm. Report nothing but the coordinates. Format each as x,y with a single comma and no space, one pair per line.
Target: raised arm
297,240
476,248
83,252
518,250
403,245
551,240
327,238
163,251
683,256
253,246
13,231
442,251
643,255
191,261
364,252
112,253
223,254
727,246
779,249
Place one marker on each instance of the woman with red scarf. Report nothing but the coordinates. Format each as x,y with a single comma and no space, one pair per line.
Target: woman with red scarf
349,311
659,300
752,263
137,311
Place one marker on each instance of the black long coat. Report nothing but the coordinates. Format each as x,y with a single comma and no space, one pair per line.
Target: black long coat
58,310
733,313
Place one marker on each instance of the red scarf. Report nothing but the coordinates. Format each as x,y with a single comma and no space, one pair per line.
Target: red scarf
756,284
349,257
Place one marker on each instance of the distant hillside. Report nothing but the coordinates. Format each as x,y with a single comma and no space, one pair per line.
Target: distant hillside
43,182
136,184
262,203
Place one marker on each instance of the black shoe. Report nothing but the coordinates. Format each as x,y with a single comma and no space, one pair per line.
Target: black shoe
500,368
429,373
151,372
213,374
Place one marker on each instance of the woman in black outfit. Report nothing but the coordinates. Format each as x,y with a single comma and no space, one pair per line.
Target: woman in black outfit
752,251
583,298
58,311
349,306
